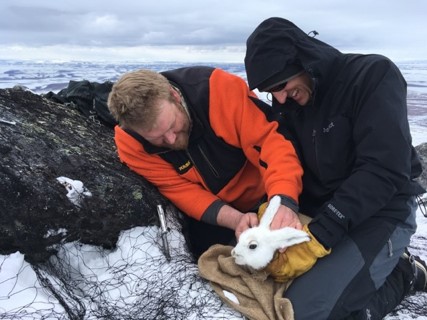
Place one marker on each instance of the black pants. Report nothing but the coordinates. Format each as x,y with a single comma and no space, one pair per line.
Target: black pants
200,236
361,278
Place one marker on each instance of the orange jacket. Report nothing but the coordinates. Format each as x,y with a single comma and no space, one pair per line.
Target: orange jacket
226,123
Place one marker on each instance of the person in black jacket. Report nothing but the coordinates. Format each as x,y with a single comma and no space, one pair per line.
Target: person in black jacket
347,117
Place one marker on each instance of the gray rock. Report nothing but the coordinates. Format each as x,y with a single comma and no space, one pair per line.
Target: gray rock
422,153
50,140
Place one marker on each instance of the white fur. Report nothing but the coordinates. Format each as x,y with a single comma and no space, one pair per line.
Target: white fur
257,245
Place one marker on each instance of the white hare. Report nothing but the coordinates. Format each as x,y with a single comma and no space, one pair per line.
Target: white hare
257,245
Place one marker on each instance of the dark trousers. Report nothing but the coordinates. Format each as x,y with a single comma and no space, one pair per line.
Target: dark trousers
200,236
362,278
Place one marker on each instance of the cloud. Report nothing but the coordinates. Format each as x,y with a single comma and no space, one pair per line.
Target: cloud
381,26
103,23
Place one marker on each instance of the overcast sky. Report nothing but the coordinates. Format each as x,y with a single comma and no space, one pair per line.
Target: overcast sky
201,30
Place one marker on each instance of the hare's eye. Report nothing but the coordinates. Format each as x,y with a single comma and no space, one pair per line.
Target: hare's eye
253,245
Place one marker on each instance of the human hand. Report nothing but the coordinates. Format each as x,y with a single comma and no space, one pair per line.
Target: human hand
286,217
248,220
297,259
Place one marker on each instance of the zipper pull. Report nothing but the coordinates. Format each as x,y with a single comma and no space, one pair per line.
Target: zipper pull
313,135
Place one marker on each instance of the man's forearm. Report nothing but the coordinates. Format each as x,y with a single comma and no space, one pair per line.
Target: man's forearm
229,217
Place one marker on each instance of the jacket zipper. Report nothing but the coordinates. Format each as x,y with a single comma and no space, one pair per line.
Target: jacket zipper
211,166
313,137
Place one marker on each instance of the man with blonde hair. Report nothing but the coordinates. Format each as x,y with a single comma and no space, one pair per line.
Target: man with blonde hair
202,138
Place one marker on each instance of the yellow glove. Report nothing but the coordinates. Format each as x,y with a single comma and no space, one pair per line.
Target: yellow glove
297,259
261,209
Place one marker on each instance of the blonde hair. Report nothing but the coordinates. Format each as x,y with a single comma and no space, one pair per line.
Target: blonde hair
134,98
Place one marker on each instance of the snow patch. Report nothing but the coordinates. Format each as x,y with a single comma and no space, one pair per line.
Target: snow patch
76,191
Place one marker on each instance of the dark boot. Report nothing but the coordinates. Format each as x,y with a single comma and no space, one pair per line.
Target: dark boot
407,277
419,270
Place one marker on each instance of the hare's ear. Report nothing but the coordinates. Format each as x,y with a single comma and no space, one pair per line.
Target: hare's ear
270,212
288,236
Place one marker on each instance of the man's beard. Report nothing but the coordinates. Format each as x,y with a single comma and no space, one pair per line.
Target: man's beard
181,142
182,137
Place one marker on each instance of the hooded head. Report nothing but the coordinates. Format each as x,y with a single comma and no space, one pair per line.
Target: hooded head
277,50
291,71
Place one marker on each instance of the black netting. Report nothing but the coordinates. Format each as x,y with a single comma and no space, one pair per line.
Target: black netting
413,307
134,281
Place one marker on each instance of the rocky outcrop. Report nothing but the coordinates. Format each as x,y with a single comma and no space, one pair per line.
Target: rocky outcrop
422,153
48,150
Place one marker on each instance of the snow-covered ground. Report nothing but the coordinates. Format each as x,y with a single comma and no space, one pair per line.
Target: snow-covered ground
121,278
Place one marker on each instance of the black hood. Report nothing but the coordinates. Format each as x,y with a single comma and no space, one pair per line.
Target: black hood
277,43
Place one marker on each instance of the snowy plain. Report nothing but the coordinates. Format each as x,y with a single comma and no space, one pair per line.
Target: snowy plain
23,296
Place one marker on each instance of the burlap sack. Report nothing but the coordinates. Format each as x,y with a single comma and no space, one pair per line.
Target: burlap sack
255,295
258,296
